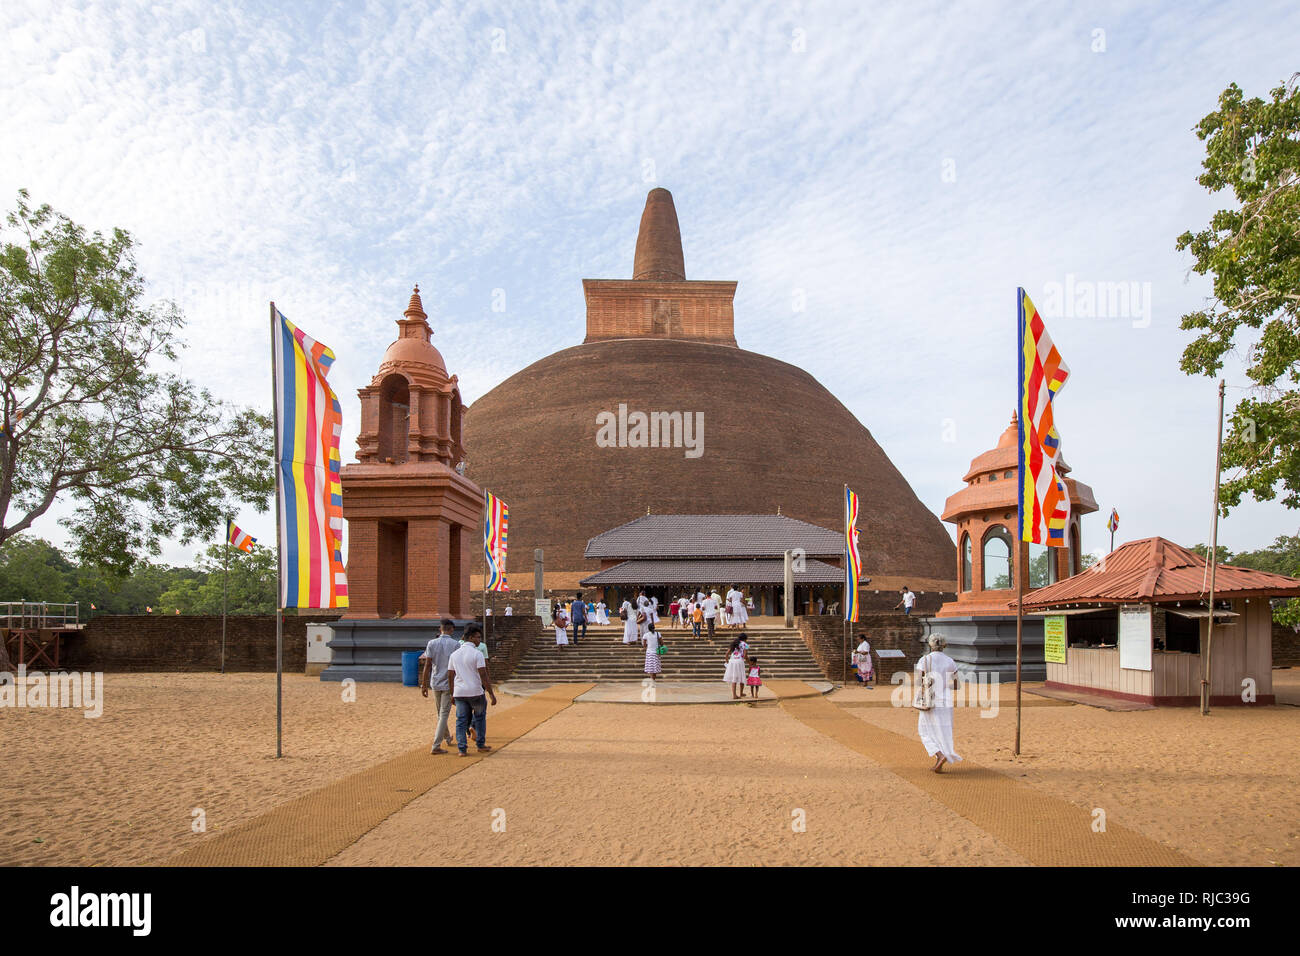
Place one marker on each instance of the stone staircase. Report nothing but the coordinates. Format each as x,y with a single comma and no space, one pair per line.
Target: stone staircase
602,656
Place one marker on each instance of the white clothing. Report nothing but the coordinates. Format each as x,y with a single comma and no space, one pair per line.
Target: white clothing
734,673
561,634
736,607
934,726
629,626
465,661
510,612
944,669
909,599
602,613
710,608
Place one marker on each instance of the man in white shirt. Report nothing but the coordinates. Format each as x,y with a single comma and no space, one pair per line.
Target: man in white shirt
510,612
710,607
467,674
909,599
433,674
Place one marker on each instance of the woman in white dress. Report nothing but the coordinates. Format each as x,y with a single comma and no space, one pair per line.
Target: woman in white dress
736,607
644,611
628,612
602,613
561,622
935,725
734,672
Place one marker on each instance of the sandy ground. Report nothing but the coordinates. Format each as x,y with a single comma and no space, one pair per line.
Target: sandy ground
627,784
121,789
689,784
1220,788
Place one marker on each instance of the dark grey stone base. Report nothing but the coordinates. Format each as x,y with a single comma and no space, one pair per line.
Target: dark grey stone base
372,650
987,645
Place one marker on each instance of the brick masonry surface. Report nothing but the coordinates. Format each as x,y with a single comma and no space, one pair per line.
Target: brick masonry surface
151,642
824,635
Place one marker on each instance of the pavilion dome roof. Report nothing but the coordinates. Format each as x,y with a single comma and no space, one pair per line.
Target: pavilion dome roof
413,353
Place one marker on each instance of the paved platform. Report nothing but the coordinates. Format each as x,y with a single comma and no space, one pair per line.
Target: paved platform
664,692
1091,700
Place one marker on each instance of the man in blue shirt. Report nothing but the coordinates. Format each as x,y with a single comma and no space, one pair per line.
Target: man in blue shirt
433,673
579,616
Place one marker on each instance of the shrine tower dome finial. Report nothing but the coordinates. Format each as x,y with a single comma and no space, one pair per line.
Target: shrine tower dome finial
659,240
413,353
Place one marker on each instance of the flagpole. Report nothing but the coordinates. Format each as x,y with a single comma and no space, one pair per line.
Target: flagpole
848,565
279,557
225,575
1020,502
1214,561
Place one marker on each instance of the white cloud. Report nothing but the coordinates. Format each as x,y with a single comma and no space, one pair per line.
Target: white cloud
331,159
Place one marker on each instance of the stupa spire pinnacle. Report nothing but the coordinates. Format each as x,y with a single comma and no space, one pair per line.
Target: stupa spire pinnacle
659,241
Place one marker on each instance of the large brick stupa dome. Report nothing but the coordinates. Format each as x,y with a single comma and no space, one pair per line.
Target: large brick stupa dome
558,440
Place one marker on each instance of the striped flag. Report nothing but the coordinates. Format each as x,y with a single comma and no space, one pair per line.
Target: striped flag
240,539
1112,523
1044,500
852,556
496,525
311,495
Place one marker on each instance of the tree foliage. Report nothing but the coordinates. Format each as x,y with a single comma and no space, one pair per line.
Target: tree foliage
1252,252
1281,557
91,411
32,569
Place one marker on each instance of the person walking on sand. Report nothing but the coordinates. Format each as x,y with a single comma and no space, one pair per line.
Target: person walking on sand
935,674
734,673
653,667
433,675
754,677
468,678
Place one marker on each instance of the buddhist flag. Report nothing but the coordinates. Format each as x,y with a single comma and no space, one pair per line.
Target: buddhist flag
496,525
310,422
1112,523
852,557
1044,501
240,539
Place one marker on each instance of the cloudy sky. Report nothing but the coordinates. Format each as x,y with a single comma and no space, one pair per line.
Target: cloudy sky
898,168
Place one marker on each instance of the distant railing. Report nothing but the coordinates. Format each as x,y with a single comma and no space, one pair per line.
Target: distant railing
31,615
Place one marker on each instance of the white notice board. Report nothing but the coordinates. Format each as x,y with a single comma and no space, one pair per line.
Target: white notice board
542,608
1135,637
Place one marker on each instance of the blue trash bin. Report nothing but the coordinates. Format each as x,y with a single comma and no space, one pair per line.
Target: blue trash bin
411,668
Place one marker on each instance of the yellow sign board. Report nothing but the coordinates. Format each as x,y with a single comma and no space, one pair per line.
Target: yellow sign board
1054,639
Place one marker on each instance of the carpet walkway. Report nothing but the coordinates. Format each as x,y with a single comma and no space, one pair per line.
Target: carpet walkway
1043,829
312,828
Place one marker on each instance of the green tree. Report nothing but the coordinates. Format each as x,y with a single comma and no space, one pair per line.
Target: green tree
1253,253
32,569
249,587
91,413
1223,555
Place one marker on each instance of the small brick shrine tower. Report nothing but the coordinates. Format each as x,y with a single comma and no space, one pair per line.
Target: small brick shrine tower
411,517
